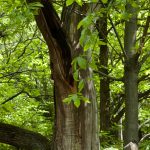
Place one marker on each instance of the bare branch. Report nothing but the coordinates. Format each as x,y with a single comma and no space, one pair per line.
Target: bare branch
144,77
147,121
117,35
12,97
107,76
144,95
28,44
145,57
144,137
142,41
38,98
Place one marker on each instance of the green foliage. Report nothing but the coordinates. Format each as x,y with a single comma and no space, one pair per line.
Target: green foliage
25,70
79,62
24,66
69,2
76,99
81,85
34,7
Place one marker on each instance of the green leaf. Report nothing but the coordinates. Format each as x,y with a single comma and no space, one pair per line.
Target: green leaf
101,43
104,1
76,75
79,2
34,5
81,85
82,63
74,97
86,100
77,102
67,100
74,64
69,2
80,24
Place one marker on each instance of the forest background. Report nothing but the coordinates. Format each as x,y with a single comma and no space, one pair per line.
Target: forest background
104,42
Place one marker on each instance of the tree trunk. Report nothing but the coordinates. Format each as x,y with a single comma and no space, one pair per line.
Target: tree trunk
22,138
131,76
75,129
104,82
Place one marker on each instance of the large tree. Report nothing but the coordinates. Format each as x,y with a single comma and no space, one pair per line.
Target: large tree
75,129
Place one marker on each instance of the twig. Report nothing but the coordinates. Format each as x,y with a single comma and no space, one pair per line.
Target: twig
142,41
144,137
107,76
12,97
144,58
147,121
144,77
117,35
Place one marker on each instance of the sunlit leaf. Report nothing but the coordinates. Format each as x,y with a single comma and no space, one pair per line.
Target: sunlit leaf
77,102
69,2
67,100
79,2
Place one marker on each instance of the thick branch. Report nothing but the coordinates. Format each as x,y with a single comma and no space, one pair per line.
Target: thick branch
59,48
22,138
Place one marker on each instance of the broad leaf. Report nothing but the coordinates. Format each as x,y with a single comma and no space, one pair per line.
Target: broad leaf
69,2
79,2
76,75
77,102
82,63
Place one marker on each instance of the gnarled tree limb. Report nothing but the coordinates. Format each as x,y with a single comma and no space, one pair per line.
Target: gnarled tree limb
22,138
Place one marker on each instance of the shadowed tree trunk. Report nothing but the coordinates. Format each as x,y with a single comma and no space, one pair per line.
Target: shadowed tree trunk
131,77
104,81
22,138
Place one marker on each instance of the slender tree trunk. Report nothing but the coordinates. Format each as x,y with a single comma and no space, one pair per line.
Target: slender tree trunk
75,129
104,82
131,76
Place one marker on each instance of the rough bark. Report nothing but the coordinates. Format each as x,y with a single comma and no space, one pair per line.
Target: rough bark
75,129
131,79
22,138
87,112
104,82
